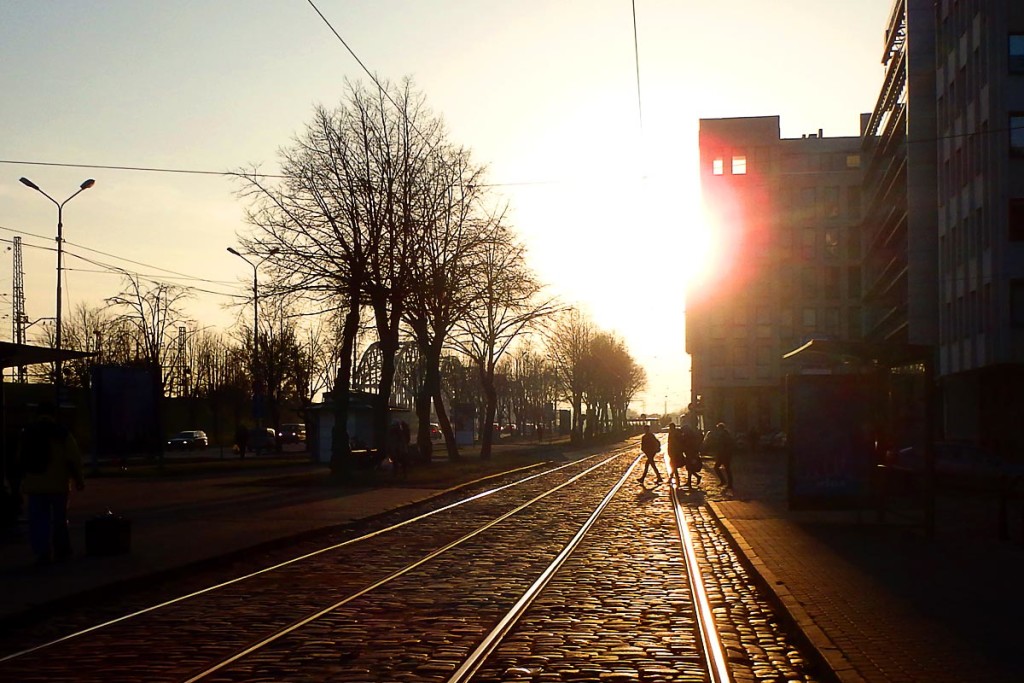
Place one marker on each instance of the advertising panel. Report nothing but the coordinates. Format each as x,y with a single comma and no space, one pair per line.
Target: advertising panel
831,440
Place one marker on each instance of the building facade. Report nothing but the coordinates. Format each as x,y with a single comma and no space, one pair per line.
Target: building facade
927,245
786,218
900,235
978,69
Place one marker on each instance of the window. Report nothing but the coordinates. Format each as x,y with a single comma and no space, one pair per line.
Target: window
808,196
808,282
739,165
853,201
810,318
1017,134
853,281
1017,220
832,320
786,322
1017,304
718,166
853,242
830,199
1016,58
832,243
854,323
832,284
807,243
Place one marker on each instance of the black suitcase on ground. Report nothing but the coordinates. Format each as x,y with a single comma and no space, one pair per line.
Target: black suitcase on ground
108,534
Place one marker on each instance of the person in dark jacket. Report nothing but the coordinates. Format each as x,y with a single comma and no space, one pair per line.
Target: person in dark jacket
676,457
50,460
691,449
720,443
650,446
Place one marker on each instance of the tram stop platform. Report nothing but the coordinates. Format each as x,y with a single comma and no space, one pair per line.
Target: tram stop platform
879,603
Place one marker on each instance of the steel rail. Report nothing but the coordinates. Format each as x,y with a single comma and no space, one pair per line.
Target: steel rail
300,558
491,641
396,574
714,653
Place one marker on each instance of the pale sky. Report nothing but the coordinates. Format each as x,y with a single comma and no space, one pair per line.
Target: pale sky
543,92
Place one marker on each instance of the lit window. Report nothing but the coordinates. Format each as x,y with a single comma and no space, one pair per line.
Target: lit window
739,165
852,161
718,166
1016,58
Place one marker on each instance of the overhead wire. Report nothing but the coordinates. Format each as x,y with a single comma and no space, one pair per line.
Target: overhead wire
636,60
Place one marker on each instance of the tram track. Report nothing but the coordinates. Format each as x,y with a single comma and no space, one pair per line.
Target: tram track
262,605
565,574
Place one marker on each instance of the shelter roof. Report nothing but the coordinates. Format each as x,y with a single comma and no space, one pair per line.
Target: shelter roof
888,355
15,355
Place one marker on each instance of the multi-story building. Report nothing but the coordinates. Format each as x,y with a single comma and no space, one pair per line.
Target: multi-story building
900,236
978,71
786,217
936,260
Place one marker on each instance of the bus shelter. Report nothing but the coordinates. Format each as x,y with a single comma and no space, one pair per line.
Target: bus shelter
850,407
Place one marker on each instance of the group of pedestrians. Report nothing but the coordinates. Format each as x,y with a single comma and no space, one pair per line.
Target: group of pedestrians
685,447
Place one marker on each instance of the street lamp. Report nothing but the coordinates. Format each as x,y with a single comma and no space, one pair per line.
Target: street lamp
59,379
255,295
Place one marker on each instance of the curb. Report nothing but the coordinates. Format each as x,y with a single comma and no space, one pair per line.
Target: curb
826,653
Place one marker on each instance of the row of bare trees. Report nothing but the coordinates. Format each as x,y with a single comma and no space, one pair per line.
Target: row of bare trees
379,211
377,216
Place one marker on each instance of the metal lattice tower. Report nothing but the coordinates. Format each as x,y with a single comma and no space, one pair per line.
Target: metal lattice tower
179,384
19,319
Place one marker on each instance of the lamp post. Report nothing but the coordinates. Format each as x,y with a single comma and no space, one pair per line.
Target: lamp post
59,379
255,299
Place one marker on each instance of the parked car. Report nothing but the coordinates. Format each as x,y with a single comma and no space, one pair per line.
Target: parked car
292,432
188,441
435,431
262,440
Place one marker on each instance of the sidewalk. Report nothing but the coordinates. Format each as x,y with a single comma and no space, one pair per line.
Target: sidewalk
883,603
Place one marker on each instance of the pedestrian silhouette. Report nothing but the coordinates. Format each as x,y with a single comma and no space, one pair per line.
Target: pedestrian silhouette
721,445
691,449
50,460
676,456
650,446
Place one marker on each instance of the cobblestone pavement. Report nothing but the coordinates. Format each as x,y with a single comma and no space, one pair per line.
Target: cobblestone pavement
620,609
229,618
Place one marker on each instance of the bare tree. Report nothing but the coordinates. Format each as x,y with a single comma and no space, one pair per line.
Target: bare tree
507,303
453,243
153,311
343,227
569,346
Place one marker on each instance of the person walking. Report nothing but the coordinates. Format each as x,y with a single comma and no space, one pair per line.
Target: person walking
691,450
650,446
720,443
50,460
676,456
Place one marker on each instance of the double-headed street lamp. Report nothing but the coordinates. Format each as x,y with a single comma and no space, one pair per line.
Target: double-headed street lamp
255,296
59,379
